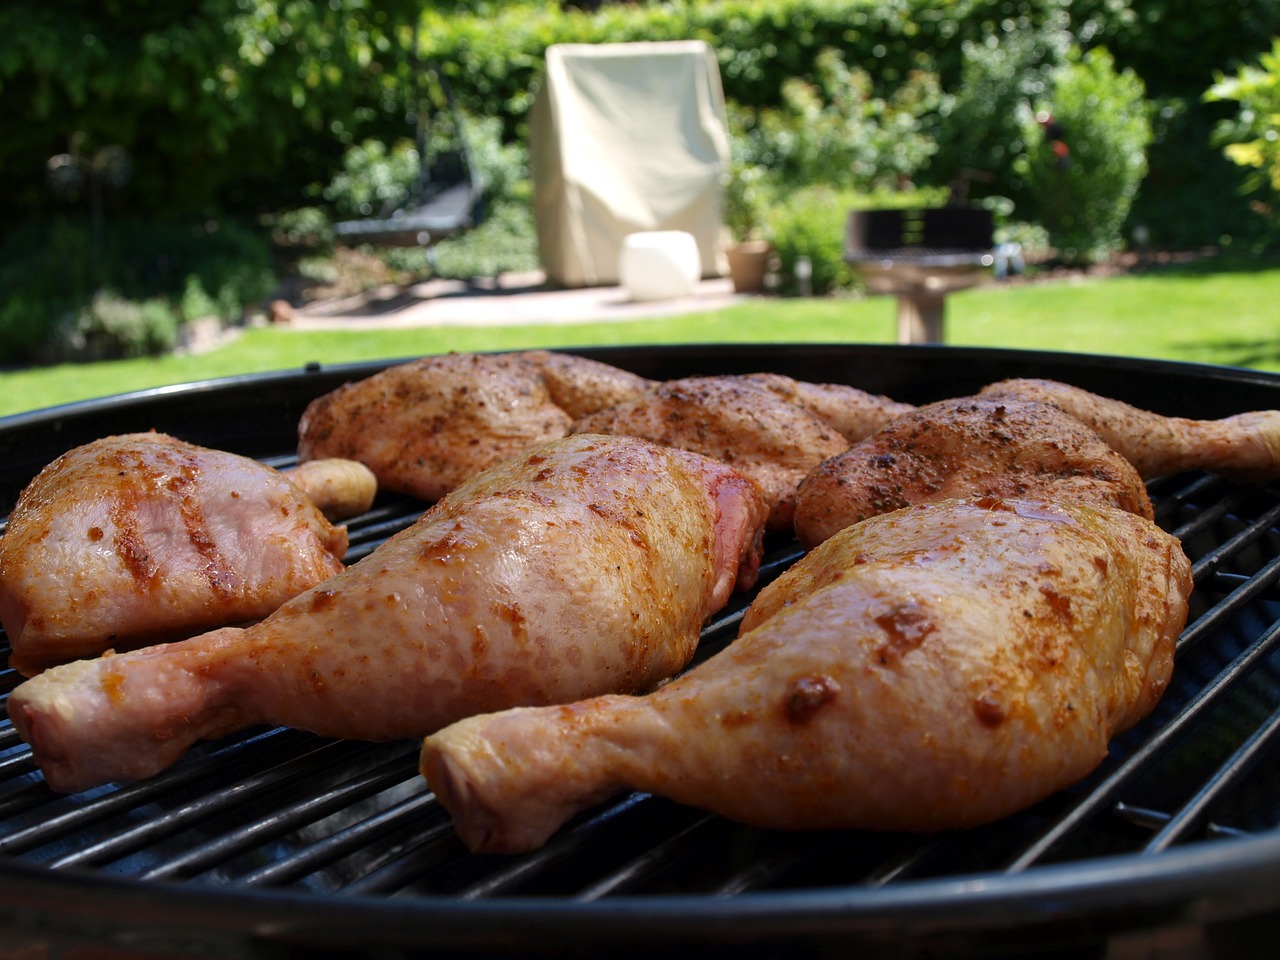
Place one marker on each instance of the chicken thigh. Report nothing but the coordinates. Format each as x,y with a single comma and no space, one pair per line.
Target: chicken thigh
969,446
583,566
938,667
1245,446
137,538
771,440
579,386
852,413
425,426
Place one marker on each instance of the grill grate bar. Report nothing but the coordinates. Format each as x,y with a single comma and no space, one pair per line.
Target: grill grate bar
1209,563
138,794
1167,504
1211,620
207,805
649,863
559,847
338,844
421,856
1154,820
1209,515
282,821
1151,750
1226,777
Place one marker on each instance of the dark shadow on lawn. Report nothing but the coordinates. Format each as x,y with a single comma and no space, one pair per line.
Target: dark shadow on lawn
1204,266
1234,353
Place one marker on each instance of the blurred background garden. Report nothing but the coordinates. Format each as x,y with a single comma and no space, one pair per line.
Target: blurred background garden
173,164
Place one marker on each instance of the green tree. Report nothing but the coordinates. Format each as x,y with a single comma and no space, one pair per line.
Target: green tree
1251,138
211,99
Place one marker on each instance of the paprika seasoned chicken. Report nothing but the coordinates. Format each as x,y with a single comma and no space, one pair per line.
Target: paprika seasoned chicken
1245,446
773,441
425,426
969,446
584,566
852,413
138,538
933,668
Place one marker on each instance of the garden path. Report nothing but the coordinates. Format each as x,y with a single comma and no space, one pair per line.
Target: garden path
512,298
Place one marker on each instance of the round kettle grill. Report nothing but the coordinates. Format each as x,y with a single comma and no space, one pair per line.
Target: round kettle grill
275,843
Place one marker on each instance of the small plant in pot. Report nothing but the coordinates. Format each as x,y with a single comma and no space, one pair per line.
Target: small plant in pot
749,248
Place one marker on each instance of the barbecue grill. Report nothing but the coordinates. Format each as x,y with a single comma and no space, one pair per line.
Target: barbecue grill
275,843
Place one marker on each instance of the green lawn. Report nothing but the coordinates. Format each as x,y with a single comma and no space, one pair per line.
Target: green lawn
1213,311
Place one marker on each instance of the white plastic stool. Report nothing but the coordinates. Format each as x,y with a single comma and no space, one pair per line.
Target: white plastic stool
659,264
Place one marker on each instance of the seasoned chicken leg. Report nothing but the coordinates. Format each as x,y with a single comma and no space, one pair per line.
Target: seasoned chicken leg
773,441
938,667
584,566
1245,446
579,386
852,413
137,538
970,446
425,426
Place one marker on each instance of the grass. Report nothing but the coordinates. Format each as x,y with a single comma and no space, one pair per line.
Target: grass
1212,311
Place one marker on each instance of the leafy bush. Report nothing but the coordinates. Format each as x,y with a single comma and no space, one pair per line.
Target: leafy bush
811,223
839,130
374,178
981,134
1086,154
1251,138
50,272
111,327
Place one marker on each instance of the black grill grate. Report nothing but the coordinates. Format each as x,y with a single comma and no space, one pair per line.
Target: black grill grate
307,828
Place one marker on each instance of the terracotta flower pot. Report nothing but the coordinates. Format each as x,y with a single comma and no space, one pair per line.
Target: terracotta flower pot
748,264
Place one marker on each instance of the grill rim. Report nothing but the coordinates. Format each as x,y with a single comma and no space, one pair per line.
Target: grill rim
1200,882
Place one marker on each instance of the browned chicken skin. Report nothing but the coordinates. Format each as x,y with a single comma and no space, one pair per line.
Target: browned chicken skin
852,413
970,446
583,566
736,420
1245,446
425,426
137,538
579,386
937,667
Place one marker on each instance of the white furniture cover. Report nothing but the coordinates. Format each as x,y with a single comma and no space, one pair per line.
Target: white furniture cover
624,138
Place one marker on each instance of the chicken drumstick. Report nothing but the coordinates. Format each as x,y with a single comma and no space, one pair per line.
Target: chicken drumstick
1245,446
933,668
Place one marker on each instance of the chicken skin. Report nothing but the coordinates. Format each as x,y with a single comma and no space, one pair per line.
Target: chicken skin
852,413
579,386
425,426
584,566
773,441
138,538
969,446
938,667
1245,446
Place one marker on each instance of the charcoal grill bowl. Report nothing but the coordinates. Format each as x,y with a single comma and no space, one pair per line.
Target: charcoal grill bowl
1220,895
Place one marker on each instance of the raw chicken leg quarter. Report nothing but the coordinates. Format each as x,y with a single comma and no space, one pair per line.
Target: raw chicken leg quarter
937,667
585,566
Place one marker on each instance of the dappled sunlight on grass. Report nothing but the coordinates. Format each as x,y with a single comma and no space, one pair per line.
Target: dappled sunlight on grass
1187,313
